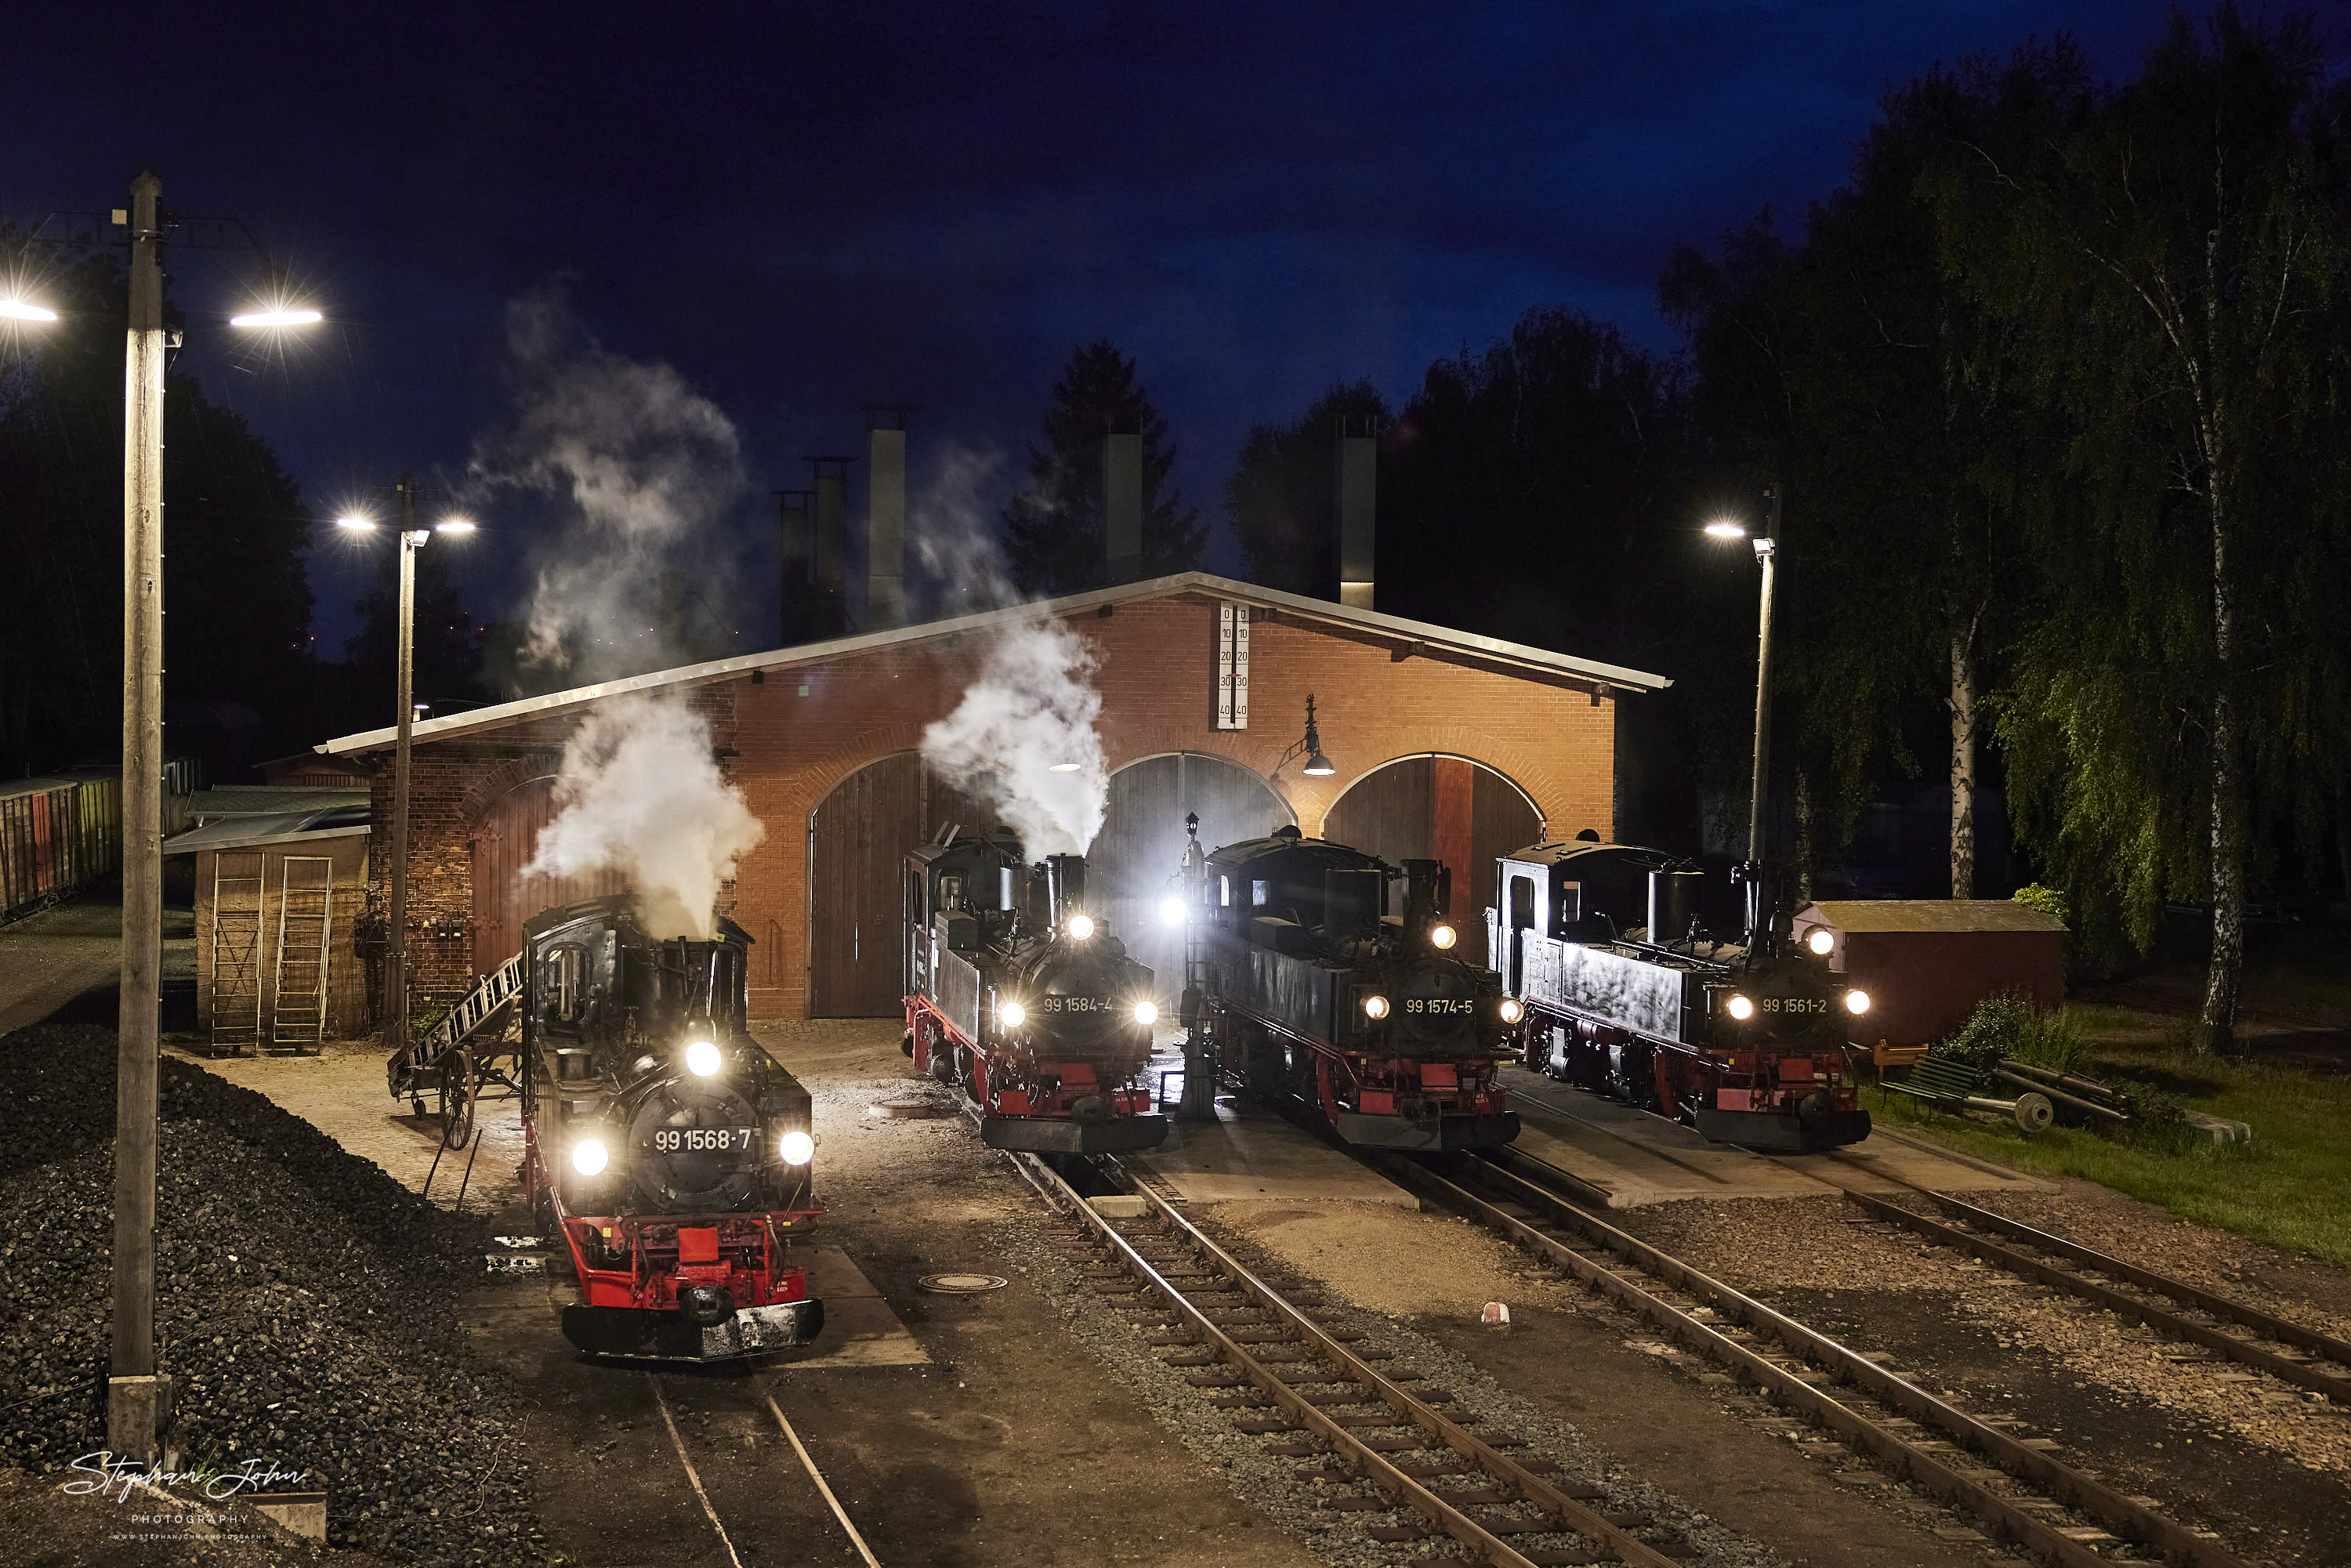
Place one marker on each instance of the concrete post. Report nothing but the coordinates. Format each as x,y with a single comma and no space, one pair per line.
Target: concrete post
1123,505
885,528
795,512
1358,493
395,950
137,1398
830,480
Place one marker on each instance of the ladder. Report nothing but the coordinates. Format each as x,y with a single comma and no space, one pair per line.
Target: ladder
237,951
404,1071
306,892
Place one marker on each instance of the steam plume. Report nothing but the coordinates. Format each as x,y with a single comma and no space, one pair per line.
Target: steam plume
1031,708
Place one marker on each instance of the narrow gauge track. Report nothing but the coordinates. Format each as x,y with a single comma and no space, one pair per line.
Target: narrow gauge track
1287,1374
2285,1351
2017,1492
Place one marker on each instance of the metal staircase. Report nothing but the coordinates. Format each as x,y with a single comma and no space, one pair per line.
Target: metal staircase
306,892
406,1071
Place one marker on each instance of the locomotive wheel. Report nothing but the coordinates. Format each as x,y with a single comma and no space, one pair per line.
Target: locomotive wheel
457,1098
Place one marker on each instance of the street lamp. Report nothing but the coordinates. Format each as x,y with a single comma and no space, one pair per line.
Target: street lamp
395,952
1758,915
18,310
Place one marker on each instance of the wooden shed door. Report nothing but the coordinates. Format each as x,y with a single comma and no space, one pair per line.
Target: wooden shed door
858,839
1134,862
503,843
1461,813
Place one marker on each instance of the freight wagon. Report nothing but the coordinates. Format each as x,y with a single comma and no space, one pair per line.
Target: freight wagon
57,835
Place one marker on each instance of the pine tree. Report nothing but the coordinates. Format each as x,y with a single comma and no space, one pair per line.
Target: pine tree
1054,530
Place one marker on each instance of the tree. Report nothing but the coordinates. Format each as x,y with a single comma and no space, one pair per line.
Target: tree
2164,270
1282,498
1054,530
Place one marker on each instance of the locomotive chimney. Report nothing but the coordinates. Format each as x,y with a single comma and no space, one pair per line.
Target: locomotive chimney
885,515
1122,504
1065,885
1357,490
1425,886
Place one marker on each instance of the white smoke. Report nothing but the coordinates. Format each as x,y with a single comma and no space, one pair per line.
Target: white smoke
1023,739
642,470
641,793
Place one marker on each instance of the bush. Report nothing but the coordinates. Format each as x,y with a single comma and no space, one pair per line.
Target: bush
2049,901
2009,1025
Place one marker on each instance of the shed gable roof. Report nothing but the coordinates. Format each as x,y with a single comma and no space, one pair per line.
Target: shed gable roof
1930,914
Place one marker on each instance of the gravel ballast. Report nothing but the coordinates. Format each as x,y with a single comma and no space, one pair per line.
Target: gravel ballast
305,1307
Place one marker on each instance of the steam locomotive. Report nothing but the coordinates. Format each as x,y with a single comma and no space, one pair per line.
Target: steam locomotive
675,1154
1316,994
1743,1042
1016,993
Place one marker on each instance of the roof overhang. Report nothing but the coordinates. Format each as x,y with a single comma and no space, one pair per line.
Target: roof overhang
1403,639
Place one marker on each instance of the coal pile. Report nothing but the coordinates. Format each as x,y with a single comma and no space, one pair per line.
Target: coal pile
305,1300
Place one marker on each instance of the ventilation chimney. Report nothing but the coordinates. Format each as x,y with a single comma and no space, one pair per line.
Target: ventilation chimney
1357,488
829,604
796,516
885,515
1122,504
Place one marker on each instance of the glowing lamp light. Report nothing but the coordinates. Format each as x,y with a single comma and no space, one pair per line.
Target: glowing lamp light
702,1057
1062,768
18,310
1856,1002
1820,940
796,1147
454,526
1146,1012
1724,528
1080,926
1375,1007
1171,910
1741,1009
588,1156
283,316
1011,1014
1512,1009
353,521
1442,936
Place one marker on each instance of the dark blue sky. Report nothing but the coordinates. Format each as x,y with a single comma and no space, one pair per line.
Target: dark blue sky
802,207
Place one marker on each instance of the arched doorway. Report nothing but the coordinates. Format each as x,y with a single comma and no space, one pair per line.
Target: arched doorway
1445,807
858,837
503,843
1133,862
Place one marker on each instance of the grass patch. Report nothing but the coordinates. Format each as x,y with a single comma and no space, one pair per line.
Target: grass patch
2290,1187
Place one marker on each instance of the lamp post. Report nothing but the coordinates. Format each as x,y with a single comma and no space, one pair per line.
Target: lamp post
395,952
139,1399
1767,545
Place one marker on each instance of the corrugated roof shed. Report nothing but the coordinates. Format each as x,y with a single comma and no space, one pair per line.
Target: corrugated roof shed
280,828
270,800
1919,914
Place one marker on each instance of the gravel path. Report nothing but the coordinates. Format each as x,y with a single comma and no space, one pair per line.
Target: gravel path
305,1301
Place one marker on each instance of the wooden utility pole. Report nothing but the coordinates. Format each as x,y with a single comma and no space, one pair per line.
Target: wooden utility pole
139,1402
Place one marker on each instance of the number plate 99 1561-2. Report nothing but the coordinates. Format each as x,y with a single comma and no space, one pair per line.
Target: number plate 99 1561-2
700,1140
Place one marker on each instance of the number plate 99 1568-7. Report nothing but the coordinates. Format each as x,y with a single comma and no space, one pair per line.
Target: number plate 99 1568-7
700,1140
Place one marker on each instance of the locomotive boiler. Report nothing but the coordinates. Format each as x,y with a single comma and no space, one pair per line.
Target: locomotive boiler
1371,1021
1016,992
1627,997
675,1154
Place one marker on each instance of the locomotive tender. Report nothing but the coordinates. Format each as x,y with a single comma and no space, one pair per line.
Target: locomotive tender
1749,1046
1371,1020
1016,993
674,1152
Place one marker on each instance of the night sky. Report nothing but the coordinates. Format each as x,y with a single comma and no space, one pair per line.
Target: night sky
805,207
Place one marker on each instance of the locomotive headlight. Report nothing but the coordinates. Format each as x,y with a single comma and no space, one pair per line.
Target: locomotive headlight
702,1057
1146,1012
1080,926
1820,940
1011,1014
796,1147
1171,910
1742,1009
1856,1002
588,1157
1511,1010
1442,936
1375,1007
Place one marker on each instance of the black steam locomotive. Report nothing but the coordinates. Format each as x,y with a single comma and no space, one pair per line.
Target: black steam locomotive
1026,1000
1745,1043
674,1153
1316,994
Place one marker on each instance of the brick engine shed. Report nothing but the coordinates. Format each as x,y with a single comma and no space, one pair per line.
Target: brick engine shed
1443,743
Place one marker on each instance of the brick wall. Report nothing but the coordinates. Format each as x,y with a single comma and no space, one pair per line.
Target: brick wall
799,732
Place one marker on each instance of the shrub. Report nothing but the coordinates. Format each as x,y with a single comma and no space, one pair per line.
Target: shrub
2009,1025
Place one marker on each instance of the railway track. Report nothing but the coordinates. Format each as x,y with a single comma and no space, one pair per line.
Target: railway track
1384,1441
2246,1334
2013,1487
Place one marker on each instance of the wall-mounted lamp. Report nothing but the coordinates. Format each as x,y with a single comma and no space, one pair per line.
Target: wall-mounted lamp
1310,746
